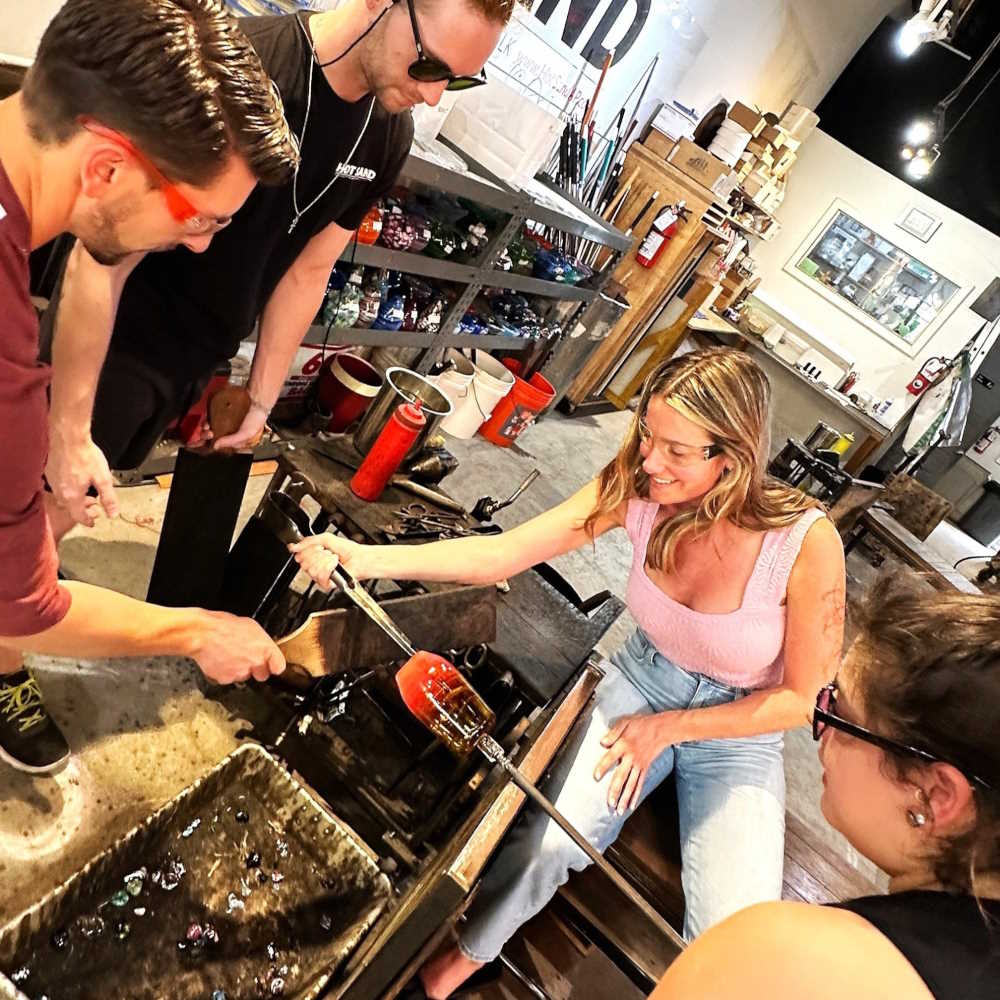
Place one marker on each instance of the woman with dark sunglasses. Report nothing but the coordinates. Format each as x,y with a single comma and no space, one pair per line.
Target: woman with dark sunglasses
910,745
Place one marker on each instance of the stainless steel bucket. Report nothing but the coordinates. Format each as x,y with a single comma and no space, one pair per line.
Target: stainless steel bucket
402,386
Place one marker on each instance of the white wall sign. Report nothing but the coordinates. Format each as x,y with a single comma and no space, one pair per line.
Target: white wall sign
918,223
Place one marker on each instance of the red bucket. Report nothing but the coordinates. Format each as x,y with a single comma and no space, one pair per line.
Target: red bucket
517,411
347,385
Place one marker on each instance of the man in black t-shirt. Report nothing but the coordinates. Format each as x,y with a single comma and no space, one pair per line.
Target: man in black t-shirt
347,78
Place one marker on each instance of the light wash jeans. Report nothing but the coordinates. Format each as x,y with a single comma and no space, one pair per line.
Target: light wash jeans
731,799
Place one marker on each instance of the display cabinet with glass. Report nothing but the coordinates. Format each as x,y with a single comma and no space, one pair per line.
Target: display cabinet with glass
897,294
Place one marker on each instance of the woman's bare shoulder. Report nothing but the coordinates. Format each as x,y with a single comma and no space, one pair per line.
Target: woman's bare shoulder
792,950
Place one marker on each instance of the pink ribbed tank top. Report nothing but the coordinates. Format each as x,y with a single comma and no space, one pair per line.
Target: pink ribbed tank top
742,648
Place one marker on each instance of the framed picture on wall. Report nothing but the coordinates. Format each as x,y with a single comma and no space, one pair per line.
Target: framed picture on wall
881,283
919,223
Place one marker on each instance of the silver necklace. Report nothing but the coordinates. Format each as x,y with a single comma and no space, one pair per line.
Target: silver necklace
299,212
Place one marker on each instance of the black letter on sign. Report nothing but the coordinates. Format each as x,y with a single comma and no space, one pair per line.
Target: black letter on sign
596,50
580,12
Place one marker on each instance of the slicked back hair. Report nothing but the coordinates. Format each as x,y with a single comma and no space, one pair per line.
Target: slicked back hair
177,77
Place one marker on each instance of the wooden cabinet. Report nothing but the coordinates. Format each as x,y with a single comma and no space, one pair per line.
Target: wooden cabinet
647,288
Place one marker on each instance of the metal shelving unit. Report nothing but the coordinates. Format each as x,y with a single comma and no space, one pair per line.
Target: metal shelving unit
479,185
346,336
411,263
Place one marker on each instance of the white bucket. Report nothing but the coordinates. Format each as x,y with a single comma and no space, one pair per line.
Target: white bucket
454,381
490,383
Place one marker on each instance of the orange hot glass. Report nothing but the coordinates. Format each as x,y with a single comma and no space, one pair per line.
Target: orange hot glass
444,701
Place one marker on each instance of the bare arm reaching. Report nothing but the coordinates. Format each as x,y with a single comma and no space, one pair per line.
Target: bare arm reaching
477,559
84,321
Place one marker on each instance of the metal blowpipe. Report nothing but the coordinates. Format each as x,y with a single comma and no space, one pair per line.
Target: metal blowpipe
468,729
444,701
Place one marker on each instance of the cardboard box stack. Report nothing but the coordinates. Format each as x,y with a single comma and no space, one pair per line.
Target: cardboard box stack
761,170
772,153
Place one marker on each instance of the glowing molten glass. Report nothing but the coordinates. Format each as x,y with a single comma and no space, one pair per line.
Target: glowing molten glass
444,701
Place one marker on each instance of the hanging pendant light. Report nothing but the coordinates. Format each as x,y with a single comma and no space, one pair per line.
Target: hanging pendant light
925,137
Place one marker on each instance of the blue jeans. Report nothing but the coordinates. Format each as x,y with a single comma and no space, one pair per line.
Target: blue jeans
730,793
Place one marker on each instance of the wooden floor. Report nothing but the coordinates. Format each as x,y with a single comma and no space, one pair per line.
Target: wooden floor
813,874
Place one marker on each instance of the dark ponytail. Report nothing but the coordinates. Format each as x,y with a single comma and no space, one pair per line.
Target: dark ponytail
931,679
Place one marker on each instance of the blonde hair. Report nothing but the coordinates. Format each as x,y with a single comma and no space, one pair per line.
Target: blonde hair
726,393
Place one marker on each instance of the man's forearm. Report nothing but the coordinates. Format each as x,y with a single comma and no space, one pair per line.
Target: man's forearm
83,325
104,623
283,325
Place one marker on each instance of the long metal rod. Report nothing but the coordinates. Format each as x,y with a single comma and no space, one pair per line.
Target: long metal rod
532,476
522,977
495,753
373,609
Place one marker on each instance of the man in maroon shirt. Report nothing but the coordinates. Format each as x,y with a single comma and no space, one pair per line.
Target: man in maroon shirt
142,125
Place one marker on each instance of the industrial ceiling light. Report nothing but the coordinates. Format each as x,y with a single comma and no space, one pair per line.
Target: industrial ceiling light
925,137
920,132
922,162
931,23
914,33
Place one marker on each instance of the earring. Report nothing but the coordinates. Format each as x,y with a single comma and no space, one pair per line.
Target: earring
915,819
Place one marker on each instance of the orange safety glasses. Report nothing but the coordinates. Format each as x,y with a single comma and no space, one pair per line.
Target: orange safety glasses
179,207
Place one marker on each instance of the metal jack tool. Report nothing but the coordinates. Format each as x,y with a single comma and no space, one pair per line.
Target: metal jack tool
372,608
486,507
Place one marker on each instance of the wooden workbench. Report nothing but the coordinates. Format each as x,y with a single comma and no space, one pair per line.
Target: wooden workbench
543,631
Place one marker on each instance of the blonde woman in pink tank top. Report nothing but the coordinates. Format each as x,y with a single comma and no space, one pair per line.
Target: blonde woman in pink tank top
737,586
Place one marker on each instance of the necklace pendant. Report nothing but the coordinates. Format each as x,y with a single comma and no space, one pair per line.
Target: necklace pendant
295,222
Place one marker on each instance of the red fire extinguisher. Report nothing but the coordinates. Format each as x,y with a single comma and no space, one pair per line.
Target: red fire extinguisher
388,451
930,371
660,233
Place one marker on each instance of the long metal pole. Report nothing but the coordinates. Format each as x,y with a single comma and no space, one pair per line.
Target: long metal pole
495,753
372,609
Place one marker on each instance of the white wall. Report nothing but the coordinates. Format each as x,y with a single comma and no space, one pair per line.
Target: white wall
769,52
960,249
21,25
764,51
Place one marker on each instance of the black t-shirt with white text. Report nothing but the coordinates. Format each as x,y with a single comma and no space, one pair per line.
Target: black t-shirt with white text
186,311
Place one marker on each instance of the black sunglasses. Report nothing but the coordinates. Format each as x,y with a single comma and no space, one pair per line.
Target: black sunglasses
825,714
428,69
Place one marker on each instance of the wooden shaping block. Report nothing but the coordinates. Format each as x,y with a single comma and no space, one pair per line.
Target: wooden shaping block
227,408
346,639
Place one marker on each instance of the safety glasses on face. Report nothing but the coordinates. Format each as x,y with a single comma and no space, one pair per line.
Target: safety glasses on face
825,714
193,221
677,452
428,69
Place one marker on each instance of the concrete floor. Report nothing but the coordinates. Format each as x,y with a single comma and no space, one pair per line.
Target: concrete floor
141,730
